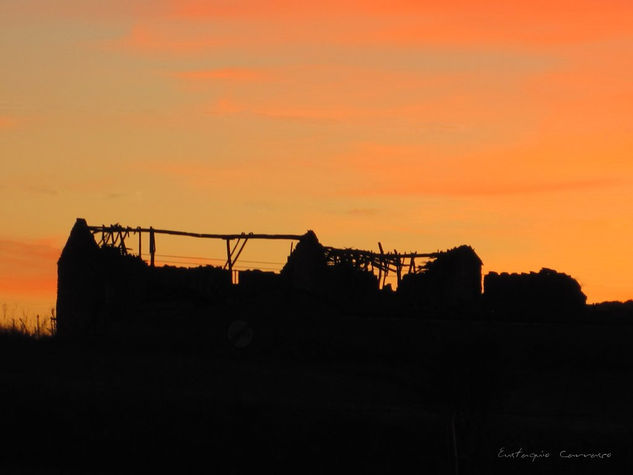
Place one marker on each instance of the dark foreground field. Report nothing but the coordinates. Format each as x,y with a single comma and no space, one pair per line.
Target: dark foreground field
380,397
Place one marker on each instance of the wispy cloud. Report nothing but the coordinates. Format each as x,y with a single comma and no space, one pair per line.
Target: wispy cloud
520,170
150,39
490,189
402,23
225,74
272,111
28,266
43,190
362,212
6,122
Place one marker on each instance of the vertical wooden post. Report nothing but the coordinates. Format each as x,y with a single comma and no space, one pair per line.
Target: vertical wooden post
140,242
228,258
384,277
381,280
152,245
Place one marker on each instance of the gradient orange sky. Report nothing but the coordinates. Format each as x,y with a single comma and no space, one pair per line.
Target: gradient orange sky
423,125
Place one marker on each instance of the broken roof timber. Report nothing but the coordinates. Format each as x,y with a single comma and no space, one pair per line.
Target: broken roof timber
116,228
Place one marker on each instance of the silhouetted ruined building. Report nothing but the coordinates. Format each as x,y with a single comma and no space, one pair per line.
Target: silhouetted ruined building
452,279
81,293
306,266
310,271
533,296
102,289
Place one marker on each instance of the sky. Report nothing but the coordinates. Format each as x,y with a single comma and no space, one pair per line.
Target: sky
420,124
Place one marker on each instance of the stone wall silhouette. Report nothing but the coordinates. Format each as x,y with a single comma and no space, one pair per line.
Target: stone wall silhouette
452,279
543,295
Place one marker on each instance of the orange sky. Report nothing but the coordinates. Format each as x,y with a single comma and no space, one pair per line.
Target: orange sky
423,125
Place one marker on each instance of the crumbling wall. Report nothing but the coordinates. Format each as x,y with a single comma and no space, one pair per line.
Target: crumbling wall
202,283
546,294
256,282
451,279
346,282
80,283
306,267
95,285
307,270
100,289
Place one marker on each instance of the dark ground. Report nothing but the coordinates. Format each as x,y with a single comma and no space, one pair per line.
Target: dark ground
380,396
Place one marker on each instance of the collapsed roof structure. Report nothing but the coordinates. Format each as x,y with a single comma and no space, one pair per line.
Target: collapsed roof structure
100,282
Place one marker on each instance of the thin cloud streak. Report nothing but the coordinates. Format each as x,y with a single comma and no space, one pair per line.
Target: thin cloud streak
7,122
491,190
405,23
27,267
226,74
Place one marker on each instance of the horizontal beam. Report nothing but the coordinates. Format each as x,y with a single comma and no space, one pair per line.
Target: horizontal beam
330,251
101,229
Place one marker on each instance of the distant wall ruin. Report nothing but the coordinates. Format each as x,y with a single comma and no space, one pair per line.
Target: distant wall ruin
452,279
534,295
